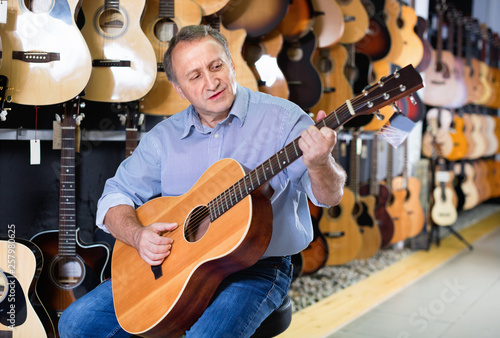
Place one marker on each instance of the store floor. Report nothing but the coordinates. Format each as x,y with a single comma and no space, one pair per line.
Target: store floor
448,291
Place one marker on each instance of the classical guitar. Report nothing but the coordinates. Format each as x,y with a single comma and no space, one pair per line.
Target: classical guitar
412,204
330,63
337,223
295,61
160,22
42,70
443,210
257,17
123,59
18,271
72,268
356,20
381,193
167,299
261,56
364,206
392,12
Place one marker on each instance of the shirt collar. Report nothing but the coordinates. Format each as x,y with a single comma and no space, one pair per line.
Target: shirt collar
238,110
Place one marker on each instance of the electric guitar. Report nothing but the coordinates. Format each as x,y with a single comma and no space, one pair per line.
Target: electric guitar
162,19
72,268
123,59
18,272
44,54
225,225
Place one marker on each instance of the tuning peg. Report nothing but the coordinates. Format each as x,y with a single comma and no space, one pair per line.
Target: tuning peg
412,100
396,108
379,115
58,118
79,118
123,119
3,114
141,119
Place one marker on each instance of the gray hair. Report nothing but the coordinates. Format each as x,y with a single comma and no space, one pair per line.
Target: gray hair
191,33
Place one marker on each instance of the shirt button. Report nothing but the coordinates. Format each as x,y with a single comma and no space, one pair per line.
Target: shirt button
216,135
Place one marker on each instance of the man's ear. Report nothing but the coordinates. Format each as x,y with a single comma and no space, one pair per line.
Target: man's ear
179,90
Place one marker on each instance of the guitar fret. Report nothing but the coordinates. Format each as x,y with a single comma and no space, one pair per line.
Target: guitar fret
278,161
271,166
295,148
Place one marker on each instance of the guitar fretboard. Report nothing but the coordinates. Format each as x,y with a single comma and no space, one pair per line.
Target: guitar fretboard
67,210
112,4
167,9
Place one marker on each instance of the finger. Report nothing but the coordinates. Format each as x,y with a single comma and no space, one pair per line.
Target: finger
320,115
163,226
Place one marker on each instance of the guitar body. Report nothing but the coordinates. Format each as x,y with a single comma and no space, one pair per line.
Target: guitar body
257,17
314,257
162,99
210,7
356,20
422,28
371,238
443,211
330,63
329,24
261,56
341,231
18,271
400,218
382,217
144,304
56,288
304,82
467,185
441,85
123,59
376,43
459,140
412,204
37,36
392,11
298,20
413,49
489,130
479,136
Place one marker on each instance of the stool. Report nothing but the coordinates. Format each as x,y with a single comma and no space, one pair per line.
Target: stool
277,322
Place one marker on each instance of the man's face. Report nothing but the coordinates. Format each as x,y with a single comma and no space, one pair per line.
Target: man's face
205,76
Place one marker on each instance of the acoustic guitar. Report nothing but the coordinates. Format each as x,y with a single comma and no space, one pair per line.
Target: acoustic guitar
167,299
412,203
422,32
18,272
72,268
364,206
162,19
443,209
356,20
298,20
330,63
256,17
381,193
123,59
43,70
337,223
261,55
376,43
471,67
464,173
328,22
412,51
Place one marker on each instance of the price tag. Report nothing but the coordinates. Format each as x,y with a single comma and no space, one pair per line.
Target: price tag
34,152
3,11
443,176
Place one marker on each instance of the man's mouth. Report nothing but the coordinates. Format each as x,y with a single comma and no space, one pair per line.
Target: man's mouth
216,95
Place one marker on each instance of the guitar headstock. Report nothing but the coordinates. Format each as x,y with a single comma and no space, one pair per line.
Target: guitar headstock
387,90
71,113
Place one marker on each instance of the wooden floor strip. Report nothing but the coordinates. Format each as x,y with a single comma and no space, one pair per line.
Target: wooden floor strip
332,313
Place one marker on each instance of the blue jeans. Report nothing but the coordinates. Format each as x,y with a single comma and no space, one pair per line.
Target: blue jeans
241,302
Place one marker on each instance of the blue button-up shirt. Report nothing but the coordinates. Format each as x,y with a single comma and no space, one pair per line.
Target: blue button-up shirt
177,151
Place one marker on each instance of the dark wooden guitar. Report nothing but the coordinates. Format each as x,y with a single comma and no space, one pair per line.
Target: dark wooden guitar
225,225
19,270
295,60
376,43
72,268
381,193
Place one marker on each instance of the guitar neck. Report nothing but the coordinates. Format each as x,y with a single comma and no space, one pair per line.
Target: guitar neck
371,99
166,9
374,187
67,209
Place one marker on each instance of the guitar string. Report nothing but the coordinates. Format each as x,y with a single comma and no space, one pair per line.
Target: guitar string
199,216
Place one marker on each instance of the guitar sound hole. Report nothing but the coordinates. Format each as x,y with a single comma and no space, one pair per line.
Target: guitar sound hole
165,29
39,6
197,223
295,54
4,283
67,272
325,65
334,212
111,22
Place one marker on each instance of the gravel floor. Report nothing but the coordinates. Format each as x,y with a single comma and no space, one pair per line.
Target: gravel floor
309,289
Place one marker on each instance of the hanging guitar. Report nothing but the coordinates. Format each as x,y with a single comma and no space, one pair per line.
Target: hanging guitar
72,268
227,201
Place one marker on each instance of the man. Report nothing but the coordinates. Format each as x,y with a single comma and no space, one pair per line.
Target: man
224,120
